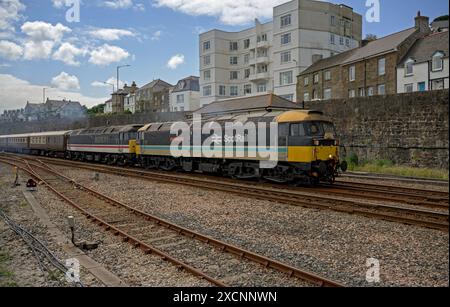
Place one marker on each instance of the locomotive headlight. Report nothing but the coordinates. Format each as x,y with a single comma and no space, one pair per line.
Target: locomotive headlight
316,142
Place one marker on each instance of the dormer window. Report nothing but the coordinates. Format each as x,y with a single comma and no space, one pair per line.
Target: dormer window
409,67
437,61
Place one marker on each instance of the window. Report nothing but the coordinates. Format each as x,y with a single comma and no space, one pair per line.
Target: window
409,67
233,90
207,60
206,46
327,93
328,75
370,91
333,20
247,89
262,87
437,61
180,98
316,78
297,130
264,37
347,42
352,73
381,67
306,81
285,39
362,92
289,97
262,69
246,43
381,89
286,78
222,90
247,73
207,90
332,39
286,20
315,95
306,97
233,75
233,60
246,58
409,88
351,93
437,84
421,86
207,75
233,46
285,57
341,40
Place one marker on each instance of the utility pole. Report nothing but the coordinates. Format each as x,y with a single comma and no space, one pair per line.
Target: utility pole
118,68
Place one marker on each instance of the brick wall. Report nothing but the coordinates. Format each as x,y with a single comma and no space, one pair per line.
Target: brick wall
408,129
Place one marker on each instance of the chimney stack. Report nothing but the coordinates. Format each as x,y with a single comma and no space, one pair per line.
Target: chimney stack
422,23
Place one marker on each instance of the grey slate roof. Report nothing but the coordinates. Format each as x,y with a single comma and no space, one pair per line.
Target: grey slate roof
191,83
441,24
250,103
156,82
382,45
424,48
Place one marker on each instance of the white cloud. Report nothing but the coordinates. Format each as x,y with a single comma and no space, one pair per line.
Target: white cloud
38,50
230,12
42,37
10,13
106,54
156,36
10,50
112,80
65,82
67,54
41,31
118,4
175,61
16,92
110,34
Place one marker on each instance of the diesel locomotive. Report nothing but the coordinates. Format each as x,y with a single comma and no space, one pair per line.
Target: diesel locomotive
307,147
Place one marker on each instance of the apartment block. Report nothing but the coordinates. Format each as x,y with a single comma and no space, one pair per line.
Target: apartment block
267,57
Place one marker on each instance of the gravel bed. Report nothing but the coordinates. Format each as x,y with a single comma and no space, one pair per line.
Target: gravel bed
332,244
19,266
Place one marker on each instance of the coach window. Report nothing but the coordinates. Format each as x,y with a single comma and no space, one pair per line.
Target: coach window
297,130
283,130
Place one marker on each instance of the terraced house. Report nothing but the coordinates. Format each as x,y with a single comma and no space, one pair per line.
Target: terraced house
365,71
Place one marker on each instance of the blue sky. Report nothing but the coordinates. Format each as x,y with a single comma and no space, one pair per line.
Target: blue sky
75,58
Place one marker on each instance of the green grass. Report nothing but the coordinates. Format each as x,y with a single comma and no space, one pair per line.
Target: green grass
5,275
387,167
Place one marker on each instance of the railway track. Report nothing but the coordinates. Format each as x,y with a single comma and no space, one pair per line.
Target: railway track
307,197
218,262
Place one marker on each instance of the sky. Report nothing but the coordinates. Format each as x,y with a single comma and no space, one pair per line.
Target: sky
41,48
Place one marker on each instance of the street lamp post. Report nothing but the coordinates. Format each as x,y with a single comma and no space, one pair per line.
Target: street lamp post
118,68
111,85
43,92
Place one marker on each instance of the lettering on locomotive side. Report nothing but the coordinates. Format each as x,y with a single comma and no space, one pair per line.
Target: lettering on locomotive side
237,140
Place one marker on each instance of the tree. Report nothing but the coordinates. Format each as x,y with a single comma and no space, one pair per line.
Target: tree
98,109
441,18
371,37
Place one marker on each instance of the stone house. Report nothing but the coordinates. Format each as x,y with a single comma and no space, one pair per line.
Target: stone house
154,97
426,66
118,98
365,71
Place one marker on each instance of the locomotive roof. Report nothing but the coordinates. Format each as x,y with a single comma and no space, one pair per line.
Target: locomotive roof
49,133
107,130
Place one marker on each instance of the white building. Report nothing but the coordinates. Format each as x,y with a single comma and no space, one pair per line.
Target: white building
108,107
268,57
426,66
186,95
129,103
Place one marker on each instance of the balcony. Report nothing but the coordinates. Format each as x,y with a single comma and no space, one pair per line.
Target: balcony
262,60
263,44
259,76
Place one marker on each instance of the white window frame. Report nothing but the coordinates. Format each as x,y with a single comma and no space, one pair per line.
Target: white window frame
381,86
409,85
370,91
437,58
285,21
407,63
316,78
327,94
306,81
222,90
234,60
206,45
234,90
351,93
382,67
207,90
234,74
352,73
232,46
247,89
306,97
207,60
286,77
328,75
286,57
332,39
286,35
207,75
261,88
